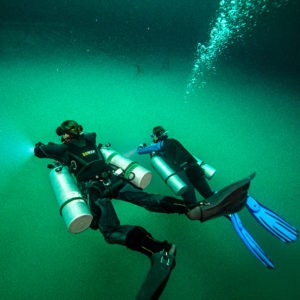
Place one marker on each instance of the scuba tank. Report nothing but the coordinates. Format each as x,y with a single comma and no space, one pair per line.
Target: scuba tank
132,171
209,171
168,175
72,206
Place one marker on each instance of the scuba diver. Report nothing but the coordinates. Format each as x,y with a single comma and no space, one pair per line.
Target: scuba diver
175,158
181,161
100,182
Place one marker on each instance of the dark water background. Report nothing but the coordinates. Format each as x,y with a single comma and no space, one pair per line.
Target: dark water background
120,68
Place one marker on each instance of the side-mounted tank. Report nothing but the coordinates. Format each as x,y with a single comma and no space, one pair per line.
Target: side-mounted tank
168,175
209,171
72,206
132,171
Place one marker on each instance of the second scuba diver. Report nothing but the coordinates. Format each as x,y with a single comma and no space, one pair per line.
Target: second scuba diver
183,164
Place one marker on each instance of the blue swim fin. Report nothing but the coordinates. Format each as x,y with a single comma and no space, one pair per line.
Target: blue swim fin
249,241
271,221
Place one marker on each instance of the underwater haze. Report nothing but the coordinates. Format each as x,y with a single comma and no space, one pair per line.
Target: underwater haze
221,76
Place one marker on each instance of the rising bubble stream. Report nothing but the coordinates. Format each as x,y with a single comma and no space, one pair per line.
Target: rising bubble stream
234,19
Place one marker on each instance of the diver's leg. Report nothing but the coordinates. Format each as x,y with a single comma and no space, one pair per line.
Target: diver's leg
109,224
134,237
196,176
151,202
189,197
161,254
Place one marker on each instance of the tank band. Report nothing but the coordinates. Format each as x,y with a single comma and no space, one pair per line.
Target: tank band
67,202
129,169
167,178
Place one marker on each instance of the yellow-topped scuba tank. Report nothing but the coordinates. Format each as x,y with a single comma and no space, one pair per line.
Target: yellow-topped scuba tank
168,175
132,171
72,206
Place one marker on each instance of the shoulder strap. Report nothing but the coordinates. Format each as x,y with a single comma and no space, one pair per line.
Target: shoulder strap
76,157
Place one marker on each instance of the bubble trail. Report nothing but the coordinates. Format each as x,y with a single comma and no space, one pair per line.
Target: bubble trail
234,19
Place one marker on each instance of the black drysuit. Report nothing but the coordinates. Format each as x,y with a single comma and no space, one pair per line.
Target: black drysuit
185,165
97,181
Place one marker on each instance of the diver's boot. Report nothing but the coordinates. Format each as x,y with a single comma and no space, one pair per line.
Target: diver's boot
162,257
142,241
162,264
229,200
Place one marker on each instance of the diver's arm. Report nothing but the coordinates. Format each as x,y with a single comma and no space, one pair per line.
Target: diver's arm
91,137
152,148
50,150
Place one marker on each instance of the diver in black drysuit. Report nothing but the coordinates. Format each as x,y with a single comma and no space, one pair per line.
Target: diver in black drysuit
186,167
97,182
181,161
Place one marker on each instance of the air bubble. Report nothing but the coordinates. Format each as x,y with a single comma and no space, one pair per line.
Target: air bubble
235,18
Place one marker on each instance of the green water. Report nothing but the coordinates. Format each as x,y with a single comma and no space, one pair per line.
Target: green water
55,65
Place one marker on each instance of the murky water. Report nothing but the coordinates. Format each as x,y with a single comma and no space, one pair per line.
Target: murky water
121,79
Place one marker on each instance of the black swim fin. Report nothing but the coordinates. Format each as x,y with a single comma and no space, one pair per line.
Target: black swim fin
162,264
227,201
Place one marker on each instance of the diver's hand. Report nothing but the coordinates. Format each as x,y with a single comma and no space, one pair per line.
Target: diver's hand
37,150
38,145
141,146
